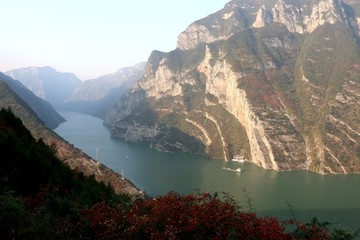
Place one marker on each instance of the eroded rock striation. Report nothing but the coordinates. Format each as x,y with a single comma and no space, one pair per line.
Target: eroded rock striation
274,81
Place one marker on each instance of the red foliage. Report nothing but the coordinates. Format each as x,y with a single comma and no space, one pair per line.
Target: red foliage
198,216
312,231
36,201
261,92
105,222
194,216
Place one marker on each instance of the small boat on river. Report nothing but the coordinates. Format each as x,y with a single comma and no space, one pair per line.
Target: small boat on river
233,170
239,159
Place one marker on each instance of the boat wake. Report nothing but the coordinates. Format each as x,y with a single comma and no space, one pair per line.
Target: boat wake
239,170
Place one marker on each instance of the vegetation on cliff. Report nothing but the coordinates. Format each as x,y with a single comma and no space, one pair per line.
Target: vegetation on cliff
39,195
274,81
41,198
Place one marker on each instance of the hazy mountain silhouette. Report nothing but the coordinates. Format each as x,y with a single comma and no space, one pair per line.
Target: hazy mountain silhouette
12,90
95,96
47,83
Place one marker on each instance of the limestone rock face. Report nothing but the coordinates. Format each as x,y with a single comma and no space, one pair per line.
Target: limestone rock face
163,86
193,35
262,18
304,18
289,15
218,26
327,11
275,81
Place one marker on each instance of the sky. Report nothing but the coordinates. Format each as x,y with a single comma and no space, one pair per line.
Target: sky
91,38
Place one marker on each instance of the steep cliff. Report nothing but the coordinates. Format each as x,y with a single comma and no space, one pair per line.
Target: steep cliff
274,81
66,152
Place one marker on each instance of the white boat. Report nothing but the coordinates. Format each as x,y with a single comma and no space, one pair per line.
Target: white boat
238,158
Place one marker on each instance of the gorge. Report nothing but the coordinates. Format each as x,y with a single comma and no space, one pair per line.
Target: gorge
276,82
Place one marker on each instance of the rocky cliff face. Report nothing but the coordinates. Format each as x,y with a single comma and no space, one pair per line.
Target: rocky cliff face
65,151
274,81
305,16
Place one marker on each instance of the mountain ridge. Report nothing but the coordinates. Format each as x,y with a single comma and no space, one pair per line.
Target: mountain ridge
275,94
96,95
86,92
41,108
47,83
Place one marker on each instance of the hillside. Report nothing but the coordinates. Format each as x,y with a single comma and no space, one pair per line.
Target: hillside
41,108
274,81
65,151
40,197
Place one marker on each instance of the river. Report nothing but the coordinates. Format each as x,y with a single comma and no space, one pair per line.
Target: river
333,198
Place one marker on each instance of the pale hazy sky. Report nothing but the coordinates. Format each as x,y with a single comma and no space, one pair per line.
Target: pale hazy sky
92,37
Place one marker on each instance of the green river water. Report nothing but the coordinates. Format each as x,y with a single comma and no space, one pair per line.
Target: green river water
333,198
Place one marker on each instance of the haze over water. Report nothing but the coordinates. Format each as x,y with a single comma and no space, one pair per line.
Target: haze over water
333,198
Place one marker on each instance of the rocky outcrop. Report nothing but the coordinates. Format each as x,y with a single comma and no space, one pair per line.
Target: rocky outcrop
196,34
218,26
163,86
326,11
267,80
262,18
306,17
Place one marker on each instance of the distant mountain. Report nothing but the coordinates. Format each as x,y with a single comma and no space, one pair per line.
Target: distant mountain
47,83
95,96
96,89
276,81
41,108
